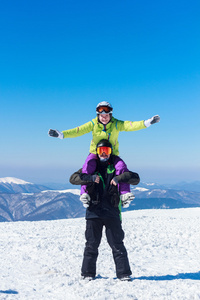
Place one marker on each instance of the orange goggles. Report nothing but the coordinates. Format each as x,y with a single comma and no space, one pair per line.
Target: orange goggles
106,150
105,109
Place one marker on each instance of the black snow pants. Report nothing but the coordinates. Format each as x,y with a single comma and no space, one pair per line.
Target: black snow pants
115,236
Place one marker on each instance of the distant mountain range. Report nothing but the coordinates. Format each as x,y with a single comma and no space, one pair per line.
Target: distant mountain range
153,196
192,186
25,201
10,185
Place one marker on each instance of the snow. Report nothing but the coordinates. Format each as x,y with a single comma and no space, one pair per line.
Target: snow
157,191
140,189
12,180
73,191
28,194
42,260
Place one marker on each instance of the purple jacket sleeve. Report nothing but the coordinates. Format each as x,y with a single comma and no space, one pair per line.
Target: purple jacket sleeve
120,168
89,167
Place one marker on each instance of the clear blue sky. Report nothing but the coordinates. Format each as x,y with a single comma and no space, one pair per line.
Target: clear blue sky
58,59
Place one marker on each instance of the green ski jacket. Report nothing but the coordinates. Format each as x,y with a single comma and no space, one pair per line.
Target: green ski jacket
99,131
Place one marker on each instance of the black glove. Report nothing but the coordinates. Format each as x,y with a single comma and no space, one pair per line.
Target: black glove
55,133
153,120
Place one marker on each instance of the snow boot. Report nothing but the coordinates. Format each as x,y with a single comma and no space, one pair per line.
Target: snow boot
125,278
88,278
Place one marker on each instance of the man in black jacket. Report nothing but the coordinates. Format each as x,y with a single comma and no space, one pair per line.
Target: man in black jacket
104,209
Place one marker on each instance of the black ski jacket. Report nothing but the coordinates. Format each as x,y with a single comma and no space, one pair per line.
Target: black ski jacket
105,200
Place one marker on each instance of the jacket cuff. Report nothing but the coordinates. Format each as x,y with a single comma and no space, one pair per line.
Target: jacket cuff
115,180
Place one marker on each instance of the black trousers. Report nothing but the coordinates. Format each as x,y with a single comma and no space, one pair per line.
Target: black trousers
115,236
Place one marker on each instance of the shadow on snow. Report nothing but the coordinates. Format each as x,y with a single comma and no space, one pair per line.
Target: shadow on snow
191,276
8,292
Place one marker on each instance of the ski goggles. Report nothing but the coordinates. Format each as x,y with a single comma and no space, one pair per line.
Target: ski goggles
106,150
104,109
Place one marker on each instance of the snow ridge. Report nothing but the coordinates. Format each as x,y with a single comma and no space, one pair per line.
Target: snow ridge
72,191
13,180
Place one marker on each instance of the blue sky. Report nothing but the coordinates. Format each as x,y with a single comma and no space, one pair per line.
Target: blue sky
58,59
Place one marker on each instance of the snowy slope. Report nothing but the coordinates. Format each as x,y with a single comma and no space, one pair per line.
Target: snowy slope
15,185
42,260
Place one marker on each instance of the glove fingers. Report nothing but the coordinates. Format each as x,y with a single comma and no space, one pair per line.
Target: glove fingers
85,199
126,204
155,119
126,199
53,133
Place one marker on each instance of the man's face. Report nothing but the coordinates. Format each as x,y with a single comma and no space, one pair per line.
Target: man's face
104,118
104,152
104,156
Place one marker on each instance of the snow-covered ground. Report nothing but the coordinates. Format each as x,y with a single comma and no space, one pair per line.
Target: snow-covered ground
42,260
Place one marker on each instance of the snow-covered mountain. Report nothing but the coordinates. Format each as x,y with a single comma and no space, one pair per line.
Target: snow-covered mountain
181,186
25,201
152,195
46,205
42,260
33,205
152,192
14,185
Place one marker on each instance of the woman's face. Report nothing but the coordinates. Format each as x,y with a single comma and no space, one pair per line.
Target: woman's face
104,118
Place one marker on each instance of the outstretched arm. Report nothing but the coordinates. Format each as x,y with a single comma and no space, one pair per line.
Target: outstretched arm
136,125
78,131
71,133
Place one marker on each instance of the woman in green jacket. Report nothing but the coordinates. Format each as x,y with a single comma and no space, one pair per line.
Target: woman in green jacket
104,126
